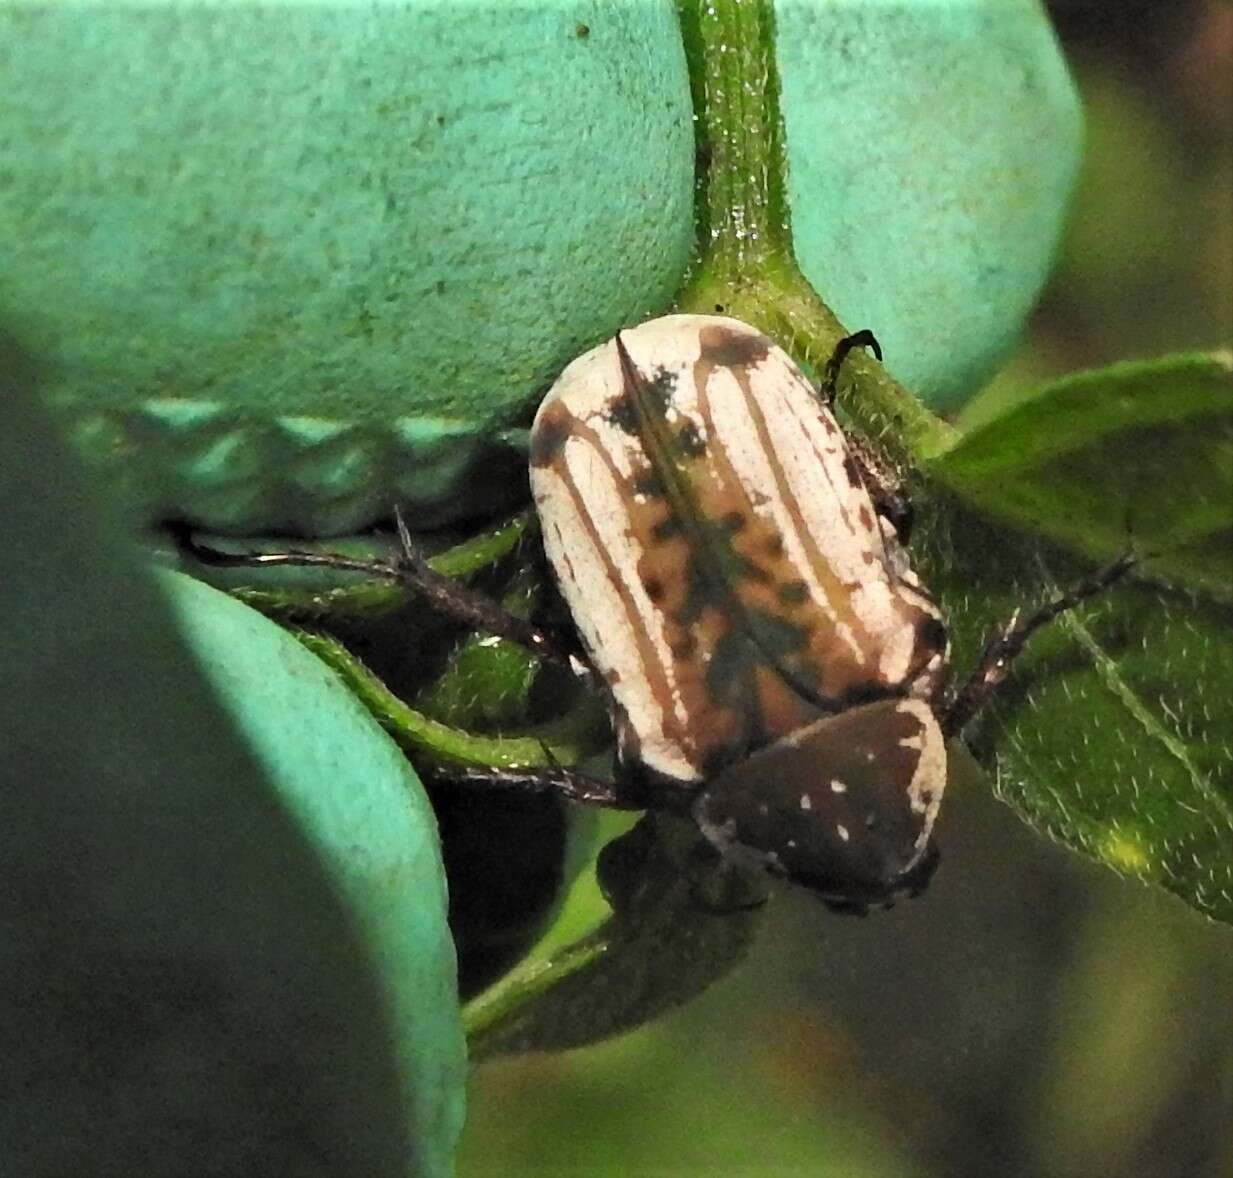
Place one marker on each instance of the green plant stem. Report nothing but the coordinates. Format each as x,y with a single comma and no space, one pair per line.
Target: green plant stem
520,987
566,741
746,266
486,548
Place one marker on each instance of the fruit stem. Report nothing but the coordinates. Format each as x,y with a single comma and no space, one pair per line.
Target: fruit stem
746,266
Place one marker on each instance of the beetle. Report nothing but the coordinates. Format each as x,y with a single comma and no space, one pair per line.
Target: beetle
736,570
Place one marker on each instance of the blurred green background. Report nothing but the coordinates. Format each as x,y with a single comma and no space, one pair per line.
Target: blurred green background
1033,1014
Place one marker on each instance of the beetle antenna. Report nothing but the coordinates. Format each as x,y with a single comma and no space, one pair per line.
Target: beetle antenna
1008,640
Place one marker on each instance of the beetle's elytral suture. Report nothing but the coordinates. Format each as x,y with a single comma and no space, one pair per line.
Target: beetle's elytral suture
1008,640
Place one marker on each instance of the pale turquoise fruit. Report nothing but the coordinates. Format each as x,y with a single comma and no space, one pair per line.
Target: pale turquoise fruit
356,800
933,146
294,264
224,947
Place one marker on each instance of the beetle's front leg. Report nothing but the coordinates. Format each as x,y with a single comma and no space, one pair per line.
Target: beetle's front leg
478,611
411,569
885,488
830,375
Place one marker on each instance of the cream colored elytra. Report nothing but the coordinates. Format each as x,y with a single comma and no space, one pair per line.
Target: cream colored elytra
719,551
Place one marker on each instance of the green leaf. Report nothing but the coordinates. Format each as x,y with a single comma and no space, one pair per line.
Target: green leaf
1138,452
1119,744
1113,733
487,681
651,924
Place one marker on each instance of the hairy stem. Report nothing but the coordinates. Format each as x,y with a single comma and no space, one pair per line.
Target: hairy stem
746,267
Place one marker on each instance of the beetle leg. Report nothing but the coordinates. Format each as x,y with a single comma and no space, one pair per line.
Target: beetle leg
830,375
884,485
886,489
478,611
1007,641
565,783
410,568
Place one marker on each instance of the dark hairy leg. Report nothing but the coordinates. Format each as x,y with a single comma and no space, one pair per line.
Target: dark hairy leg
411,569
565,783
1007,641
830,375
885,488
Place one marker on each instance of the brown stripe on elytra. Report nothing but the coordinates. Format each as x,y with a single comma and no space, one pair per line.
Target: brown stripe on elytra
914,606
684,648
564,551
781,710
671,546
721,346
793,592
655,674
837,593
852,471
553,426
690,626
822,460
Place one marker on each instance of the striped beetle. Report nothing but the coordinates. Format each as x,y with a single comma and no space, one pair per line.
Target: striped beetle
736,570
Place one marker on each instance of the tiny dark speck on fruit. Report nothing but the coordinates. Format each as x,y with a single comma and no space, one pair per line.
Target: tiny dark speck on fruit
582,32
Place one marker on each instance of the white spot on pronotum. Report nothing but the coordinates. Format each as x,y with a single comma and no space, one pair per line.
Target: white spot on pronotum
806,804
842,831
871,756
792,844
763,808
837,786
